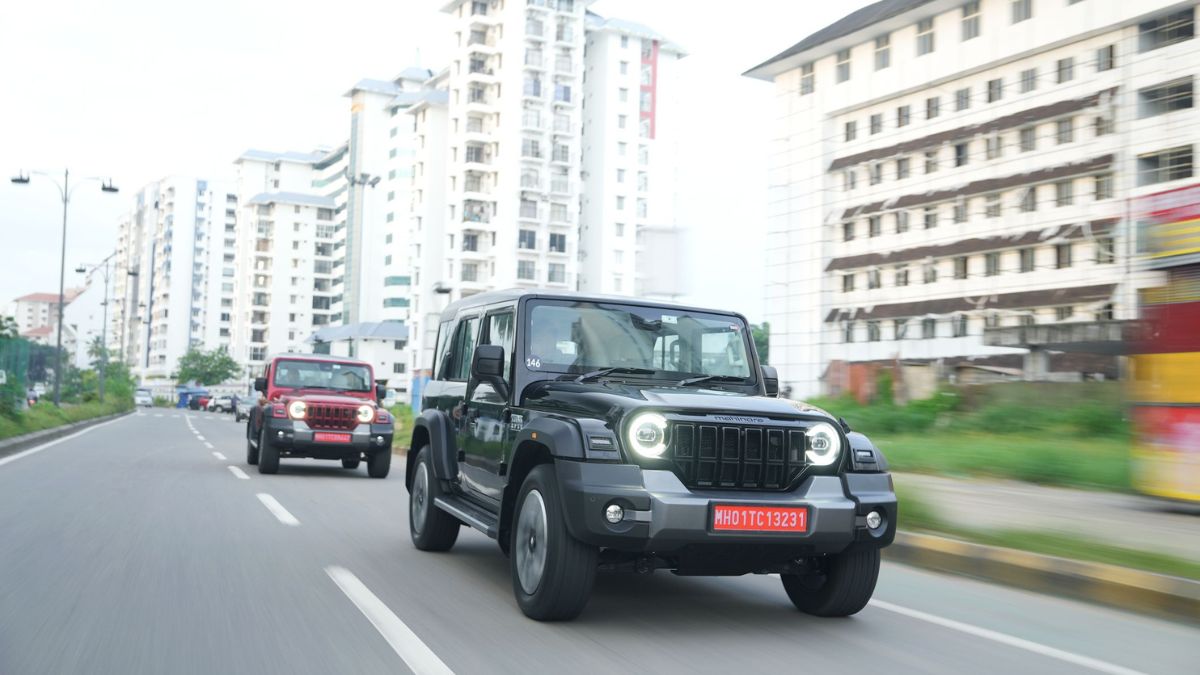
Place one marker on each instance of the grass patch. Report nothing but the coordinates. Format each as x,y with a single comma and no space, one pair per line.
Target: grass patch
1046,459
916,515
45,416
404,425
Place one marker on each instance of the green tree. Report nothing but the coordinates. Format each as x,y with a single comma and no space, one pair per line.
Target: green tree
206,367
762,340
8,327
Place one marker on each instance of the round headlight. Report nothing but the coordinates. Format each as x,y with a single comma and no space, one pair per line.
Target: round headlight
297,409
365,413
647,434
824,444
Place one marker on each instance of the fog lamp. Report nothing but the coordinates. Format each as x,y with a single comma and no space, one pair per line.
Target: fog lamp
874,520
614,514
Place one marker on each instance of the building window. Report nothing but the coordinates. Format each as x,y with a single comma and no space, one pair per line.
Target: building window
960,267
621,202
1065,71
1021,10
970,20
883,52
1062,256
874,278
902,168
1064,313
959,325
851,130
1164,98
806,79
848,332
876,173
962,99
1028,80
1028,139
1167,165
931,161
902,116
1103,186
1029,199
847,283
994,146
991,263
843,65
558,243
527,239
961,153
995,90
558,273
1027,259
928,329
1106,58
876,123
930,274
1064,130
1064,193
931,217
902,275
992,207
873,333
526,270
991,320
924,37
901,222
1104,125
875,226
1105,251
1166,30
470,271
849,179
961,210
933,107
899,328
621,120
848,230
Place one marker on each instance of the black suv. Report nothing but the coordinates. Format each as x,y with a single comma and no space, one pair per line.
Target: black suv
596,433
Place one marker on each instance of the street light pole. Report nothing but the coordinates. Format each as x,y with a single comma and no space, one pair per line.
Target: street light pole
65,191
106,272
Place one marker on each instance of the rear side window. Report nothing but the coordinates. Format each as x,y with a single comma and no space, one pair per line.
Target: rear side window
462,348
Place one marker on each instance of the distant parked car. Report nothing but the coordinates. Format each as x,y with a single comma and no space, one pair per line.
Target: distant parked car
220,404
242,409
143,398
198,401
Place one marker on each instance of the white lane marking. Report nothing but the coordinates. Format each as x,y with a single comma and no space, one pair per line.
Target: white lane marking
220,456
277,509
199,437
419,657
48,444
208,445
1002,638
158,414
238,472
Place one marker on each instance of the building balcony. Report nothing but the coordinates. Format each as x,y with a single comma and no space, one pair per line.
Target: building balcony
532,122
562,187
535,30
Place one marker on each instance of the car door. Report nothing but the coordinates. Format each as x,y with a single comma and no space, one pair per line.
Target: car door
486,443
452,399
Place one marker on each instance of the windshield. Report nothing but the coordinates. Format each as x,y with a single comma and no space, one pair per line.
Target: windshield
322,375
579,337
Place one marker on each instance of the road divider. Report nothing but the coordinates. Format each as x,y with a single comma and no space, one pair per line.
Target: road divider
415,653
238,472
276,509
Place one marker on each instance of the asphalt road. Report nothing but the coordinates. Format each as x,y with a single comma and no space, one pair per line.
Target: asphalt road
134,548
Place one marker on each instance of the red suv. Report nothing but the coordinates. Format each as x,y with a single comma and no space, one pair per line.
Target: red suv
321,407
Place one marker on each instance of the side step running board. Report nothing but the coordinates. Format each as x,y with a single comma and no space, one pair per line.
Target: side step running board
478,518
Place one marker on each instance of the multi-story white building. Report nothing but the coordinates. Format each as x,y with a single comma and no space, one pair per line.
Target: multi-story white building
37,310
942,168
630,156
177,241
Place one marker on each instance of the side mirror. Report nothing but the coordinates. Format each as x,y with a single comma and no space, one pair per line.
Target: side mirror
770,378
487,365
260,384
380,393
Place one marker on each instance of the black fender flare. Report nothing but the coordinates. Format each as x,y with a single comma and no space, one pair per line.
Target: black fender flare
561,438
434,425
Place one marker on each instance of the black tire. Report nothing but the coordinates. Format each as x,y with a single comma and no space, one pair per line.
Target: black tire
251,450
350,463
268,454
846,587
431,528
560,589
379,463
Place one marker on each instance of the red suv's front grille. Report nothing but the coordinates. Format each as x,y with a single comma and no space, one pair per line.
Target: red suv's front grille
324,416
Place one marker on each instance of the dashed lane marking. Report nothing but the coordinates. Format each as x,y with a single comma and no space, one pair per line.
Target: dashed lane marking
238,472
220,456
277,510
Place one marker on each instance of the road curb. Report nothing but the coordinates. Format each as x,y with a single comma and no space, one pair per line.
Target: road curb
11,446
1159,595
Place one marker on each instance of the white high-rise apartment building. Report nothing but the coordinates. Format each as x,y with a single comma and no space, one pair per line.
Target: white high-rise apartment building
178,242
945,168
630,155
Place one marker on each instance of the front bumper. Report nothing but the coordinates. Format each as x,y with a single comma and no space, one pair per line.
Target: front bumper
295,438
663,516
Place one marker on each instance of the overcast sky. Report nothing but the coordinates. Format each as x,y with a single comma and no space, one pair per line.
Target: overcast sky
140,89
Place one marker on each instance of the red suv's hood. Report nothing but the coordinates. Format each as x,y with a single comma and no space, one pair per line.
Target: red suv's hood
312,396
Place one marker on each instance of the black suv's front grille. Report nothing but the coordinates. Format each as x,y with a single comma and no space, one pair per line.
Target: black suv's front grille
736,456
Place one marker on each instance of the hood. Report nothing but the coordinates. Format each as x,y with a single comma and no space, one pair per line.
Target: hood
311,396
598,399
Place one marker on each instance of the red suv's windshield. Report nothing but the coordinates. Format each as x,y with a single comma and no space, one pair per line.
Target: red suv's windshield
322,375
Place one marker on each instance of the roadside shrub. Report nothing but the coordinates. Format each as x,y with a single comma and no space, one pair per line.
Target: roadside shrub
1098,420
162,402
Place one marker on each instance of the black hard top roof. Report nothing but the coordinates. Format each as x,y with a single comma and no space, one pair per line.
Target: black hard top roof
516,294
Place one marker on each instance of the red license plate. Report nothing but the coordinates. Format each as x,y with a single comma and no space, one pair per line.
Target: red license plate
328,437
737,518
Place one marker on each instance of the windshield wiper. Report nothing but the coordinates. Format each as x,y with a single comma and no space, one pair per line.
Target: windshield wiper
710,378
618,369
